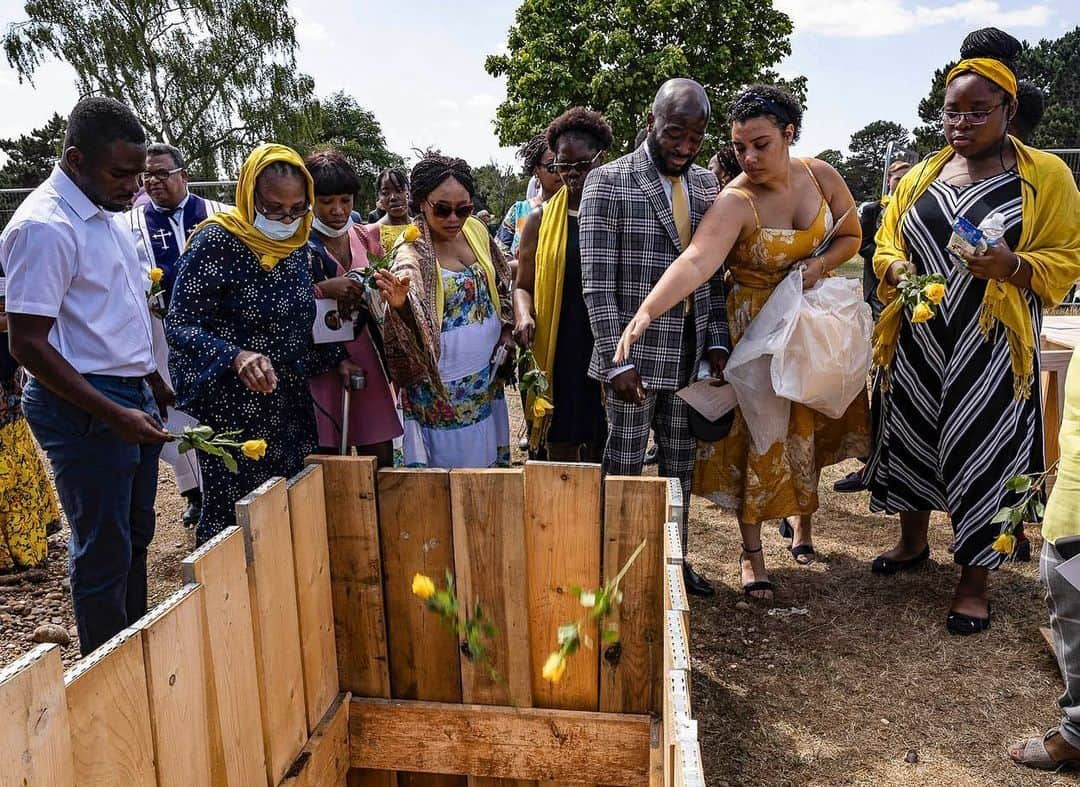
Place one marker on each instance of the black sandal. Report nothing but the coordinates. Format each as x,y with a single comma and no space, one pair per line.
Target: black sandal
757,586
888,566
787,530
966,625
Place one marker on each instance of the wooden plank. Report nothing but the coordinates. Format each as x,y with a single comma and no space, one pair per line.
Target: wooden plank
657,754
264,517
35,741
236,732
173,652
109,715
356,574
311,558
516,743
416,537
324,761
562,531
631,671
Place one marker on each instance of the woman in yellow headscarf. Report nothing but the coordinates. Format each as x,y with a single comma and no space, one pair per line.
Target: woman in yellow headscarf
961,407
239,328
549,304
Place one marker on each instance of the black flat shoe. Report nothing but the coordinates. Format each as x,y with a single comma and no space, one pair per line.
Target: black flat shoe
696,585
888,566
1023,552
852,482
965,625
652,455
194,508
786,529
803,554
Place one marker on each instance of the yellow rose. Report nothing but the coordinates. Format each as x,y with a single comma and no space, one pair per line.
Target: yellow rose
554,667
254,449
542,407
412,232
423,586
156,275
921,313
934,292
1005,543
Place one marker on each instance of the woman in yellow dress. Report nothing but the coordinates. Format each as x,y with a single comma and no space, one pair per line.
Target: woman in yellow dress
28,510
765,223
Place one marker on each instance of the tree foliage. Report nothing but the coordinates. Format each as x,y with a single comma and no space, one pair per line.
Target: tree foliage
864,167
340,122
213,77
1053,65
612,55
31,157
833,157
498,187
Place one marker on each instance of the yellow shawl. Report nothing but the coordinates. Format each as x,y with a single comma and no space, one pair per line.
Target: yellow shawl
239,220
476,234
1063,509
1049,243
547,302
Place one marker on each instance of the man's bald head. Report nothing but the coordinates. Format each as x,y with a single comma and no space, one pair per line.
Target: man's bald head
682,97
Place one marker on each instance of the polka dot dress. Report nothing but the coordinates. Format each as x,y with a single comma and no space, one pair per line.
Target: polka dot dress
222,303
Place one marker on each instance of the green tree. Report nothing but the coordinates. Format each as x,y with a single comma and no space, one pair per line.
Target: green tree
212,78
499,187
340,122
832,157
31,156
864,168
612,55
1053,65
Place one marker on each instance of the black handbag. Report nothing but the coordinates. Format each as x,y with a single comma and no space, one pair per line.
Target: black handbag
710,431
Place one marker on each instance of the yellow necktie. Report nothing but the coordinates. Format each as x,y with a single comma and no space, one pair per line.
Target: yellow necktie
680,209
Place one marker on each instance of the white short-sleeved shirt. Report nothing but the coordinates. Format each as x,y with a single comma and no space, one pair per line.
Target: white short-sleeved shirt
67,258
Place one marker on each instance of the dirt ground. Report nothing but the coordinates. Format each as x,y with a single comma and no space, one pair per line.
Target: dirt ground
866,688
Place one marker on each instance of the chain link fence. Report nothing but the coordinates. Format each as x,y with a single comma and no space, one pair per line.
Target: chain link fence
219,190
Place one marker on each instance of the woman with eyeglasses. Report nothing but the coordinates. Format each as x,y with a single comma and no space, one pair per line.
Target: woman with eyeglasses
960,411
549,304
240,330
448,329
537,159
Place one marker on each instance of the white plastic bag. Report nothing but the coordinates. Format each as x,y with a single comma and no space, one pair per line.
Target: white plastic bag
810,347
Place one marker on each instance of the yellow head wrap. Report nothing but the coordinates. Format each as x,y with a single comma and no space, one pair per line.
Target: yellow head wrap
994,70
240,220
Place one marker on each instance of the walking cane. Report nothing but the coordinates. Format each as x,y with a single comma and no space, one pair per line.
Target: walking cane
357,382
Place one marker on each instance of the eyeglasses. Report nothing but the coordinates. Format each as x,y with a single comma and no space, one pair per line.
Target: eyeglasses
443,210
158,174
581,167
280,215
977,118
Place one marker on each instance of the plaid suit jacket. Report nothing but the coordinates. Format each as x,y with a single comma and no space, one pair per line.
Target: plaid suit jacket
628,239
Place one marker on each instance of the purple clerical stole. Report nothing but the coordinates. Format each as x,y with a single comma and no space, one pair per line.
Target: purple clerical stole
163,241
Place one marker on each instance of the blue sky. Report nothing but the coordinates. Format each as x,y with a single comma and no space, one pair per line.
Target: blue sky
419,66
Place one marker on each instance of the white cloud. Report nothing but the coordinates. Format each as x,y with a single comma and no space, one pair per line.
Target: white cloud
882,18
308,30
482,101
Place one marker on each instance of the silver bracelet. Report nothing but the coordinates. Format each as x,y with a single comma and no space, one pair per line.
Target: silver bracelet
1016,270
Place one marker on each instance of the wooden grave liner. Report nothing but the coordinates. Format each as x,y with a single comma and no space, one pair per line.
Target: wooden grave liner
296,653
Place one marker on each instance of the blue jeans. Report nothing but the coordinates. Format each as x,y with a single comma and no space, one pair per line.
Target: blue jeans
107,488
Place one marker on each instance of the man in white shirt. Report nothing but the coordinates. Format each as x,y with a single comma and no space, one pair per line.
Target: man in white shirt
160,227
80,325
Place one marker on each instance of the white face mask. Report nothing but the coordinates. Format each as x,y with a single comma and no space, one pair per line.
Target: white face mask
276,230
327,230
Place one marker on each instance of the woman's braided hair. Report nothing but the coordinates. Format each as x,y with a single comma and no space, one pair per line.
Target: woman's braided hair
431,171
993,43
532,153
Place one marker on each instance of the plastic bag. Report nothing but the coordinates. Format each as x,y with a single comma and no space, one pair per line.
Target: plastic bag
810,347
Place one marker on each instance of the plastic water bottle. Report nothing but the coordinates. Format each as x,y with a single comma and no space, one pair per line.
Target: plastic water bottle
993,228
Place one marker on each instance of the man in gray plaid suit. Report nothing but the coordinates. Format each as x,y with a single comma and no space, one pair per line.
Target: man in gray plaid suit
637,215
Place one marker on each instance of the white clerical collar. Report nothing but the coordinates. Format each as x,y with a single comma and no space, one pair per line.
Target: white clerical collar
179,207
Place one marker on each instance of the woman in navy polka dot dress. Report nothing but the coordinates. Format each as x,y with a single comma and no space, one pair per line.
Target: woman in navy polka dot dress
239,329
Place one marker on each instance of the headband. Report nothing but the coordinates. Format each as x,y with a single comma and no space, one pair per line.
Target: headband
766,104
994,70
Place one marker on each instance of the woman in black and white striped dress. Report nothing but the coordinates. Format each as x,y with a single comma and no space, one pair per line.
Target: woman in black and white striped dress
961,406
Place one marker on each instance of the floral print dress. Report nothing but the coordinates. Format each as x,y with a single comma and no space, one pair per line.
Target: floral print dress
467,424
27,504
784,480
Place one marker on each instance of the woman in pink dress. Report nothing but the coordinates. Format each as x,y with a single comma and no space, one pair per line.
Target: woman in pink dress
392,189
337,246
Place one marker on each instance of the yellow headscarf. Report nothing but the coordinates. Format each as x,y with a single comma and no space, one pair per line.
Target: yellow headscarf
547,300
240,219
1049,243
994,70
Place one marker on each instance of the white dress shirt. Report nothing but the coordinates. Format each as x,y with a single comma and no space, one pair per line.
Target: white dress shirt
69,259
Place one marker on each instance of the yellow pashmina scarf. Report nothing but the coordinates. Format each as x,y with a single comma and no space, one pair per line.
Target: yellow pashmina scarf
1049,243
239,220
547,302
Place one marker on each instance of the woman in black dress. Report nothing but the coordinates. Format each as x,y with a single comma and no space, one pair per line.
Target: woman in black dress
549,305
960,408
239,329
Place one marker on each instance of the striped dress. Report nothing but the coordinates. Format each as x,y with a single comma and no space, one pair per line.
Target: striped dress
950,434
